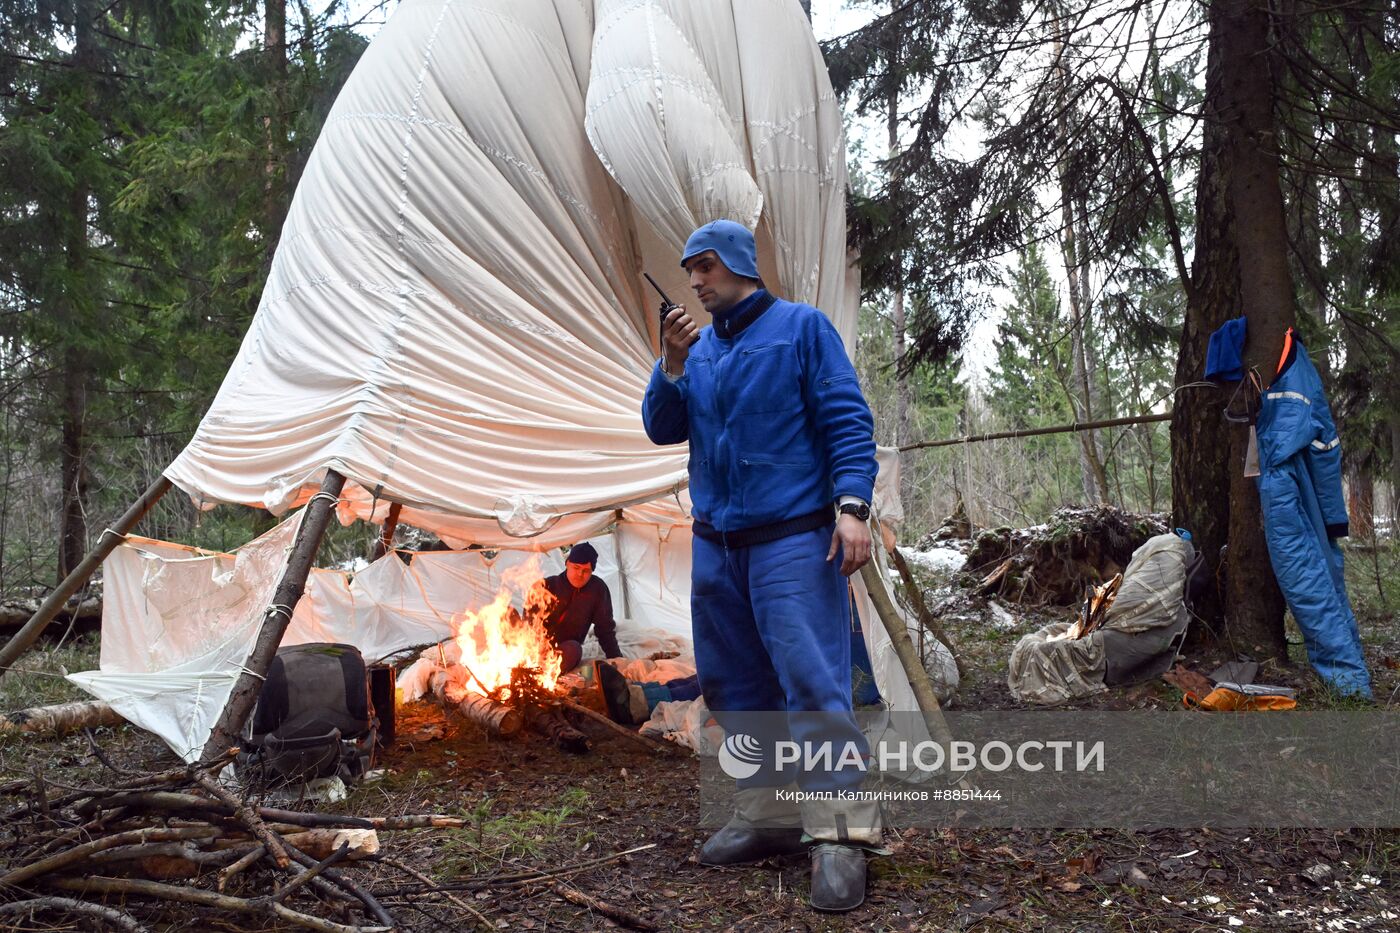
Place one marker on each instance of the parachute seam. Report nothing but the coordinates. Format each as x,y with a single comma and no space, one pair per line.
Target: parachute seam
637,76
352,231
380,366
558,50
503,156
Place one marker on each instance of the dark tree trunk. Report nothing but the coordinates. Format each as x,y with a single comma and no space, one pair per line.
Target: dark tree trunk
72,376
1239,211
275,124
72,465
1254,603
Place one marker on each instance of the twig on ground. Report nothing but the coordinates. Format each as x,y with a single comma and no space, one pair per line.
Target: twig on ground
520,879
170,892
372,905
282,893
232,871
247,814
611,911
433,888
97,752
115,919
660,748
76,854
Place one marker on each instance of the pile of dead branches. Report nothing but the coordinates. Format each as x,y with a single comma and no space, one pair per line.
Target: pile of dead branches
182,843
1050,564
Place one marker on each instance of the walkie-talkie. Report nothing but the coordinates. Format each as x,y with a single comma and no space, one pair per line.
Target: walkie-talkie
666,303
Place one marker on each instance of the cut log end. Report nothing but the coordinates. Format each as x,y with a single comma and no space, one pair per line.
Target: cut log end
65,717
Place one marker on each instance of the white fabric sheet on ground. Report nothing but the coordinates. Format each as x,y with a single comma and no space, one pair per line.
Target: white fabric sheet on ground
179,623
688,723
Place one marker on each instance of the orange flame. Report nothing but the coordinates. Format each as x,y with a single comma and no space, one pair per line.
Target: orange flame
497,639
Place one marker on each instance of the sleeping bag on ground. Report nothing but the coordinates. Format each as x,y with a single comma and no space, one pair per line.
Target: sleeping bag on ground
1137,641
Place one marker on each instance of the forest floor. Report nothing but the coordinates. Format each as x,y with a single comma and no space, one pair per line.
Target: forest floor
533,807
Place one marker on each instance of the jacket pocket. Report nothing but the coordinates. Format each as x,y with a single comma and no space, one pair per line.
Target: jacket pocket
767,379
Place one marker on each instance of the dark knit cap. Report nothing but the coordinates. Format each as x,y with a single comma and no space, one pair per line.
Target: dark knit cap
583,553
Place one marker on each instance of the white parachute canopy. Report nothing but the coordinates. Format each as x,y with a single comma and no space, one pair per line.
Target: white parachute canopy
456,318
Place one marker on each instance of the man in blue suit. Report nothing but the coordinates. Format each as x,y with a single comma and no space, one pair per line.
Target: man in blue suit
782,469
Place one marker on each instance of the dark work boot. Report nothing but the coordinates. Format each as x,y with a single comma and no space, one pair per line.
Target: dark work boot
838,877
616,695
738,842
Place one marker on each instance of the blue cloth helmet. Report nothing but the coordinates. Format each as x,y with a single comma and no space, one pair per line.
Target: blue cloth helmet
732,242
1224,356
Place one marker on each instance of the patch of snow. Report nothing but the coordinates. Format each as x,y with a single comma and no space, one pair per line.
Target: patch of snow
939,559
1001,618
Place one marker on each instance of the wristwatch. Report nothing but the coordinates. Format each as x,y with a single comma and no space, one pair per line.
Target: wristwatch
859,509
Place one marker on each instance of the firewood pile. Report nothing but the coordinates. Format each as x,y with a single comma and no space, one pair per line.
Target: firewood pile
524,703
182,843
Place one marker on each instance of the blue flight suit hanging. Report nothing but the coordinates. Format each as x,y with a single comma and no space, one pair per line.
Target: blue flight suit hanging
1300,490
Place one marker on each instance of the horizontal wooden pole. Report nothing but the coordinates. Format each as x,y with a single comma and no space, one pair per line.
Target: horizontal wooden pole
1033,432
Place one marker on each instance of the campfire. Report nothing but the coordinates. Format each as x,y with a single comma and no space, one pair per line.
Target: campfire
502,672
501,669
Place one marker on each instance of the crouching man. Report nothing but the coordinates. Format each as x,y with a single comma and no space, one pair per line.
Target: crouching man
782,468
581,602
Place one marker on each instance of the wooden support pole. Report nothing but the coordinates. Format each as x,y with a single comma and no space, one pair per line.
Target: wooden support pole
279,614
926,619
621,570
908,657
49,608
385,542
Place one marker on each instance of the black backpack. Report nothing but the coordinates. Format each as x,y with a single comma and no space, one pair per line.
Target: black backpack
313,718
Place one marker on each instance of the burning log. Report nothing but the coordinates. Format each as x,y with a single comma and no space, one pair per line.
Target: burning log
551,724
495,718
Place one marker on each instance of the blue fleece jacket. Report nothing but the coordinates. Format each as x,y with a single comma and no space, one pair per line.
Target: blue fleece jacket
774,414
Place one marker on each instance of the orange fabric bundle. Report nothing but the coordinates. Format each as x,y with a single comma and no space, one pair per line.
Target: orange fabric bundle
1223,699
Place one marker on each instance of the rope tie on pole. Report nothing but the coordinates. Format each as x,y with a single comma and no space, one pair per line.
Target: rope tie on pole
333,499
